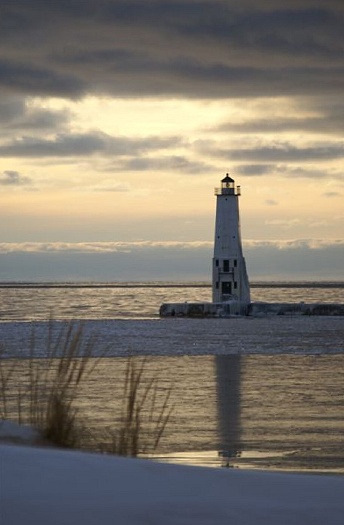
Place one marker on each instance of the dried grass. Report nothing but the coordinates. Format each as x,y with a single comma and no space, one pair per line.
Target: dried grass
143,419
43,392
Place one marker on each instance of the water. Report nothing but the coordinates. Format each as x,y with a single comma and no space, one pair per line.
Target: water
257,393
280,412
27,302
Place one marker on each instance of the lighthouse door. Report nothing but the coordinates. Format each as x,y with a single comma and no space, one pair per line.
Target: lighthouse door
226,288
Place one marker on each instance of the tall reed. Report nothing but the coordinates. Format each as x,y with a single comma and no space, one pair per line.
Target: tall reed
43,392
143,416
46,394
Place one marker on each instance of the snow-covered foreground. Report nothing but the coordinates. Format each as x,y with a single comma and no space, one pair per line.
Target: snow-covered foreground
57,487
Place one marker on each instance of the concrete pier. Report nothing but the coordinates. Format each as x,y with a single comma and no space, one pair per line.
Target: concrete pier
237,308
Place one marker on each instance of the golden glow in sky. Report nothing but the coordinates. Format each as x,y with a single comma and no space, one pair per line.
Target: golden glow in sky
120,131
158,159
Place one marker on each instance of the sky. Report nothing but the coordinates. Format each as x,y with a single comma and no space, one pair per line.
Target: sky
118,119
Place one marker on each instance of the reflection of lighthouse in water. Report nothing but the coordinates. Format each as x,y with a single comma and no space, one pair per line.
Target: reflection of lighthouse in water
228,370
230,281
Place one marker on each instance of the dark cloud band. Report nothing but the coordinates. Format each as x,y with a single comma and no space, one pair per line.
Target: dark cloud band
176,48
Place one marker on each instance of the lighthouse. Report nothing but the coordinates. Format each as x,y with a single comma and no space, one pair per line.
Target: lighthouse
230,281
230,285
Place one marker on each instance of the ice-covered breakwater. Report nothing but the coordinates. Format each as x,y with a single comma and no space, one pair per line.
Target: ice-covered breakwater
258,309
204,309
296,309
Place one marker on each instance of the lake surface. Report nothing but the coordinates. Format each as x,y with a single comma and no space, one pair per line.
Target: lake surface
100,301
257,393
280,412
251,411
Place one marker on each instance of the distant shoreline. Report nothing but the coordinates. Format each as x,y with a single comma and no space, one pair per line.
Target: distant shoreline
258,284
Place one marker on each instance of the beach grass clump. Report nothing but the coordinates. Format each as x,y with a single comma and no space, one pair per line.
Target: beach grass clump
145,412
42,391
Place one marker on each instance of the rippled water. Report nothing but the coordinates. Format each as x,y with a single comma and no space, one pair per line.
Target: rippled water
256,411
246,392
281,412
131,301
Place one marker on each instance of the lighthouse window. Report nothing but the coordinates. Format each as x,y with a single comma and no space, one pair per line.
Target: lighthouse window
226,265
235,263
226,288
235,284
217,262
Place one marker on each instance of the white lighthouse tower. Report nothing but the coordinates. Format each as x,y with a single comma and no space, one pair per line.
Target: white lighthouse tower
231,289
230,281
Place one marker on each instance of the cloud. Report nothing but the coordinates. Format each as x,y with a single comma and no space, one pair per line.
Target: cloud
80,144
110,187
332,194
100,247
31,80
13,178
18,115
295,244
11,108
167,163
286,170
329,124
40,119
255,169
282,152
146,246
191,48
312,114
140,261
284,223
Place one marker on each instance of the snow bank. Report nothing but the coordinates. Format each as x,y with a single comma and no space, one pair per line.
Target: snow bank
14,433
55,487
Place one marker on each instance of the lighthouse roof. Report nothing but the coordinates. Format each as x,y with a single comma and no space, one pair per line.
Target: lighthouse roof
227,178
